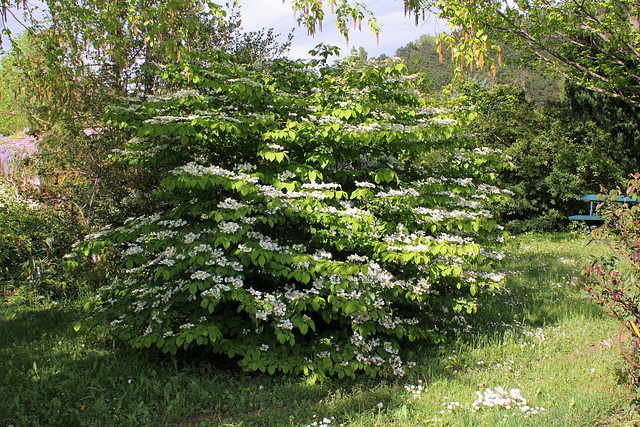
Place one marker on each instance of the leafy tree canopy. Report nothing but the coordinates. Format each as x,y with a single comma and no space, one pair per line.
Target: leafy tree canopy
593,43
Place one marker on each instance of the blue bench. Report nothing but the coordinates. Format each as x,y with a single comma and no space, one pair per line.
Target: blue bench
591,198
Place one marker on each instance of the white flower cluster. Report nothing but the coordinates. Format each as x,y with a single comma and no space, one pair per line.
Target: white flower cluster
485,151
439,215
444,122
200,275
286,175
230,204
228,227
365,184
402,192
321,185
416,389
195,169
500,397
132,250
245,167
276,147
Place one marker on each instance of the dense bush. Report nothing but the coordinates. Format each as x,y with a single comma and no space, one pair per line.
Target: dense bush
34,236
556,153
321,217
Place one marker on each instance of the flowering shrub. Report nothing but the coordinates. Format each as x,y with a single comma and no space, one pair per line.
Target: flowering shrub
614,280
321,217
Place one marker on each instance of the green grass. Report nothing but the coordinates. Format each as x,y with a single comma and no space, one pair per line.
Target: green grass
542,336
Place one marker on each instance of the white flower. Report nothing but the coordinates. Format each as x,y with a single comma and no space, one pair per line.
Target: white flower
133,250
190,238
200,275
228,227
230,203
275,147
365,184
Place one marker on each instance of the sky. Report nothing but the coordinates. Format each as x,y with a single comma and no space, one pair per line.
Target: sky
396,30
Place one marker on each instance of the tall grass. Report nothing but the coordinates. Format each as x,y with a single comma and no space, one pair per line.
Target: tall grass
541,336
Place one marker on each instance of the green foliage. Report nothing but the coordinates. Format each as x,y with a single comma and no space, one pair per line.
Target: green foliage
617,119
319,218
114,54
593,43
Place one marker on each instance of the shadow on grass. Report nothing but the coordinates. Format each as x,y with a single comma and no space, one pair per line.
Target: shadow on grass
52,375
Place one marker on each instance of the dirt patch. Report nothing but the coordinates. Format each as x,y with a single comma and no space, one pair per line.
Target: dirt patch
604,344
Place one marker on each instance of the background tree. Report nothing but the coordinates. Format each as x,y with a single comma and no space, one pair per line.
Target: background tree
423,56
592,43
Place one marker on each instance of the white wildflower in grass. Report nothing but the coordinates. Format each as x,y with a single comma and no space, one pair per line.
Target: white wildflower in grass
499,397
451,406
496,277
416,389
538,333
325,422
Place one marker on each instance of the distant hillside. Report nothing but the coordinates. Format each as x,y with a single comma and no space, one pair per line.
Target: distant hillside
422,56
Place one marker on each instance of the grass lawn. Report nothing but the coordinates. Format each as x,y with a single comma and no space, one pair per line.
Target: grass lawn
554,354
